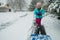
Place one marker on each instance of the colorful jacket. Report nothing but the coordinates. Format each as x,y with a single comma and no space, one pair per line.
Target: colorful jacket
38,14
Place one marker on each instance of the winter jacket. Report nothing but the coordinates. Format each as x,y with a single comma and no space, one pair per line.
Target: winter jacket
38,14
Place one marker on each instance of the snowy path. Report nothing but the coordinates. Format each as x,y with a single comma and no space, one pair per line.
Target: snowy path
15,26
18,30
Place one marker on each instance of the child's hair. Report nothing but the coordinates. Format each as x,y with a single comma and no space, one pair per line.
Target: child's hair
38,3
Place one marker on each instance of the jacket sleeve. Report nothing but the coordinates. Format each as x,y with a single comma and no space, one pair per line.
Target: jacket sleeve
43,11
35,13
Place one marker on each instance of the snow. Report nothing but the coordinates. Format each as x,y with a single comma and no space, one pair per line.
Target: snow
16,25
52,26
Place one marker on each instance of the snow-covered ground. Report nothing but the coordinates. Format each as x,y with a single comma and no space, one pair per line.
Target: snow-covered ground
52,26
16,25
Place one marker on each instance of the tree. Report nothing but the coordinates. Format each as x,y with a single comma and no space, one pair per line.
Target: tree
33,3
16,4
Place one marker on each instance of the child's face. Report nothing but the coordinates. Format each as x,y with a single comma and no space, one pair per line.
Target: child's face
39,7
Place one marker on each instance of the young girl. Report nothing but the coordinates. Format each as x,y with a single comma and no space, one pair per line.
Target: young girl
38,12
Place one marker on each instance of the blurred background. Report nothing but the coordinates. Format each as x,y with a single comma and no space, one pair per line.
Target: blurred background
16,18
52,6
